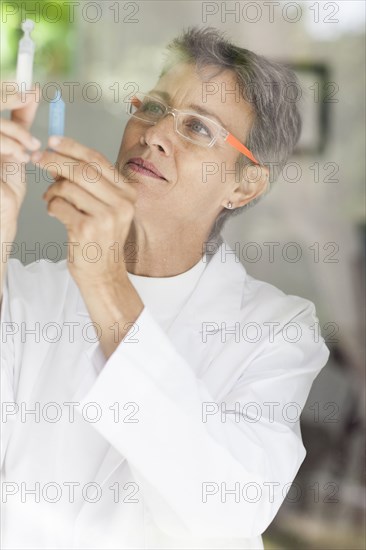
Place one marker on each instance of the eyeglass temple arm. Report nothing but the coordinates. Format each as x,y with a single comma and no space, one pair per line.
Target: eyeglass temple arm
240,147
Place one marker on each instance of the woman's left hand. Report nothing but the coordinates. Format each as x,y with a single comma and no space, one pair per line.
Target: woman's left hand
95,204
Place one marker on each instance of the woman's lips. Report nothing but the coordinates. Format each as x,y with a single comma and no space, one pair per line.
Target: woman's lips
143,170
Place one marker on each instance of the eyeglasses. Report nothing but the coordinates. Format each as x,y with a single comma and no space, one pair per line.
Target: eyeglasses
192,126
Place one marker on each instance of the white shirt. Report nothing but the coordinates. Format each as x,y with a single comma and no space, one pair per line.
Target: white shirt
165,296
216,397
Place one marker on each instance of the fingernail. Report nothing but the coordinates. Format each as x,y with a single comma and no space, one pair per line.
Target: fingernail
54,141
36,156
35,143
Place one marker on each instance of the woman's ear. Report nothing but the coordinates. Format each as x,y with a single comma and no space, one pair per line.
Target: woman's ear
254,181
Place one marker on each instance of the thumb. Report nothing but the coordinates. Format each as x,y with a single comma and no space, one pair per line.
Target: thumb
25,113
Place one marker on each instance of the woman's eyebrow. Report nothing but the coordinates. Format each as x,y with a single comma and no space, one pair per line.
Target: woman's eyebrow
164,95
201,110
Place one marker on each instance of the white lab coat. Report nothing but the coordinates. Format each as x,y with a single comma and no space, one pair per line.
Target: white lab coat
159,473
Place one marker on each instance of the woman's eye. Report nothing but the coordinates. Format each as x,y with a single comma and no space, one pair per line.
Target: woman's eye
198,127
152,107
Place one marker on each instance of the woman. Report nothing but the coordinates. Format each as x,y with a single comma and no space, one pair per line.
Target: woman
165,382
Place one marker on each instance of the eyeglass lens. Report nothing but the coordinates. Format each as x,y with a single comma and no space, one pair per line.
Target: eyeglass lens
192,126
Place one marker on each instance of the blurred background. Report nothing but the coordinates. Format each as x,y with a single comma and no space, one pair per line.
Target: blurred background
96,52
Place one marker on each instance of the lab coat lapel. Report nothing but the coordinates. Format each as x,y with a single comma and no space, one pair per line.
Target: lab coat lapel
215,304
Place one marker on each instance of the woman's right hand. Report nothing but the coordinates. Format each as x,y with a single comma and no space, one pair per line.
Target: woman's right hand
15,142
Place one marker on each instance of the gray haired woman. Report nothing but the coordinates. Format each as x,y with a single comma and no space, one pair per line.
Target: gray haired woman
174,421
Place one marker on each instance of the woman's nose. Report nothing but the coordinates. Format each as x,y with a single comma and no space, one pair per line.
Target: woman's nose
162,134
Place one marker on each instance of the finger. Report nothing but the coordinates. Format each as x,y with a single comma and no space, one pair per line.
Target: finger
10,148
71,148
8,102
89,176
79,173
13,130
25,114
65,212
75,195
11,97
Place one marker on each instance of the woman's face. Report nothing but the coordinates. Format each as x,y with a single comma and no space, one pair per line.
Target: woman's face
199,181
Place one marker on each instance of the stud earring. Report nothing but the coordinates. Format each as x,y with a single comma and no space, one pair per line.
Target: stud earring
229,205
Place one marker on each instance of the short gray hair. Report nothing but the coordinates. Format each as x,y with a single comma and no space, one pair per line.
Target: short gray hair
277,123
